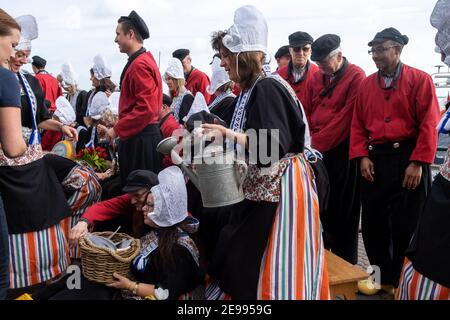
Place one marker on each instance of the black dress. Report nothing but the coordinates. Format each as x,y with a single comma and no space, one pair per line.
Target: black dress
225,109
242,242
186,104
42,112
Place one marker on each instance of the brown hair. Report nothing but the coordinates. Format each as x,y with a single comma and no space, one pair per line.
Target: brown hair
249,63
7,23
227,86
127,26
168,238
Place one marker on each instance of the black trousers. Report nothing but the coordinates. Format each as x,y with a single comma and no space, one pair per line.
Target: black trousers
340,220
389,211
139,152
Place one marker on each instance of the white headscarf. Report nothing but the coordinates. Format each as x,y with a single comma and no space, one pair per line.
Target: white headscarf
101,69
219,76
29,32
100,103
248,33
64,111
440,19
68,74
170,198
175,69
198,105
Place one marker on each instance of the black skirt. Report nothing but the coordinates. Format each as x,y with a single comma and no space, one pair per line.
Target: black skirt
33,197
139,152
430,247
237,258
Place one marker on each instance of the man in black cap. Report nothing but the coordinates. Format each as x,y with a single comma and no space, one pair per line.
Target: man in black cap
196,80
394,137
140,101
50,85
138,186
299,70
329,107
283,57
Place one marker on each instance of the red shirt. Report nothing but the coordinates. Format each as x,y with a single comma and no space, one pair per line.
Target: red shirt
198,82
299,87
169,125
409,111
140,97
330,117
51,88
109,209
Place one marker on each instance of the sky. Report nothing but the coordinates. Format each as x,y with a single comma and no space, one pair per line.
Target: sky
75,31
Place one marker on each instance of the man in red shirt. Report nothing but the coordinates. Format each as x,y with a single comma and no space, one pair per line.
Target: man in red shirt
51,87
196,80
328,105
299,71
138,187
394,137
140,101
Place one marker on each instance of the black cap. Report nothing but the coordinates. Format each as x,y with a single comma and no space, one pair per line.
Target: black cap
389,34
39,62
299,39
323,46
166,100
181,54
138,179
282,52
138,23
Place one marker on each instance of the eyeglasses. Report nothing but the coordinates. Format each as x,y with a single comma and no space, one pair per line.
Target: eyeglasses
379,50
304,49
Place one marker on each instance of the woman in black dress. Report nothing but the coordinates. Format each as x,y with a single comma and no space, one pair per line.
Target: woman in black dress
254,257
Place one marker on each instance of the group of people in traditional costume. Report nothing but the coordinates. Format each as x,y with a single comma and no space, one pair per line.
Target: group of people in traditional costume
345,145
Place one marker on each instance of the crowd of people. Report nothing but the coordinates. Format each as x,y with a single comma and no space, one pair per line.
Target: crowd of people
348,146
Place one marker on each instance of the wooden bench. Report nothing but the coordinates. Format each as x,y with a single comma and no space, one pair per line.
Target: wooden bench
343,277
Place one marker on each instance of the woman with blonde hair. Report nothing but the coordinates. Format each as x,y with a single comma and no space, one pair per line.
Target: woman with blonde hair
182,98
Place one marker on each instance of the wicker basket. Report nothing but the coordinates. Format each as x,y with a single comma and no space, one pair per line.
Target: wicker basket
99,264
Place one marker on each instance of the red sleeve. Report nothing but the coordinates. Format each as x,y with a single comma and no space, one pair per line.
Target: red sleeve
146,91
358,134
338,129
169,126
427,114
60,91
202,85
110,209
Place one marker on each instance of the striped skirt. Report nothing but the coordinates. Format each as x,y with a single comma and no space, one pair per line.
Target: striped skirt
293,265
36,257
87,192
414,286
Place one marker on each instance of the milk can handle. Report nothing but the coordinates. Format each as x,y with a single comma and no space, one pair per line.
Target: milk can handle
242,177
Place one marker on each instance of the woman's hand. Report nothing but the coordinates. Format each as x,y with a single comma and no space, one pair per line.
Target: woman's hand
80,229
215,130
121,283
70,132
